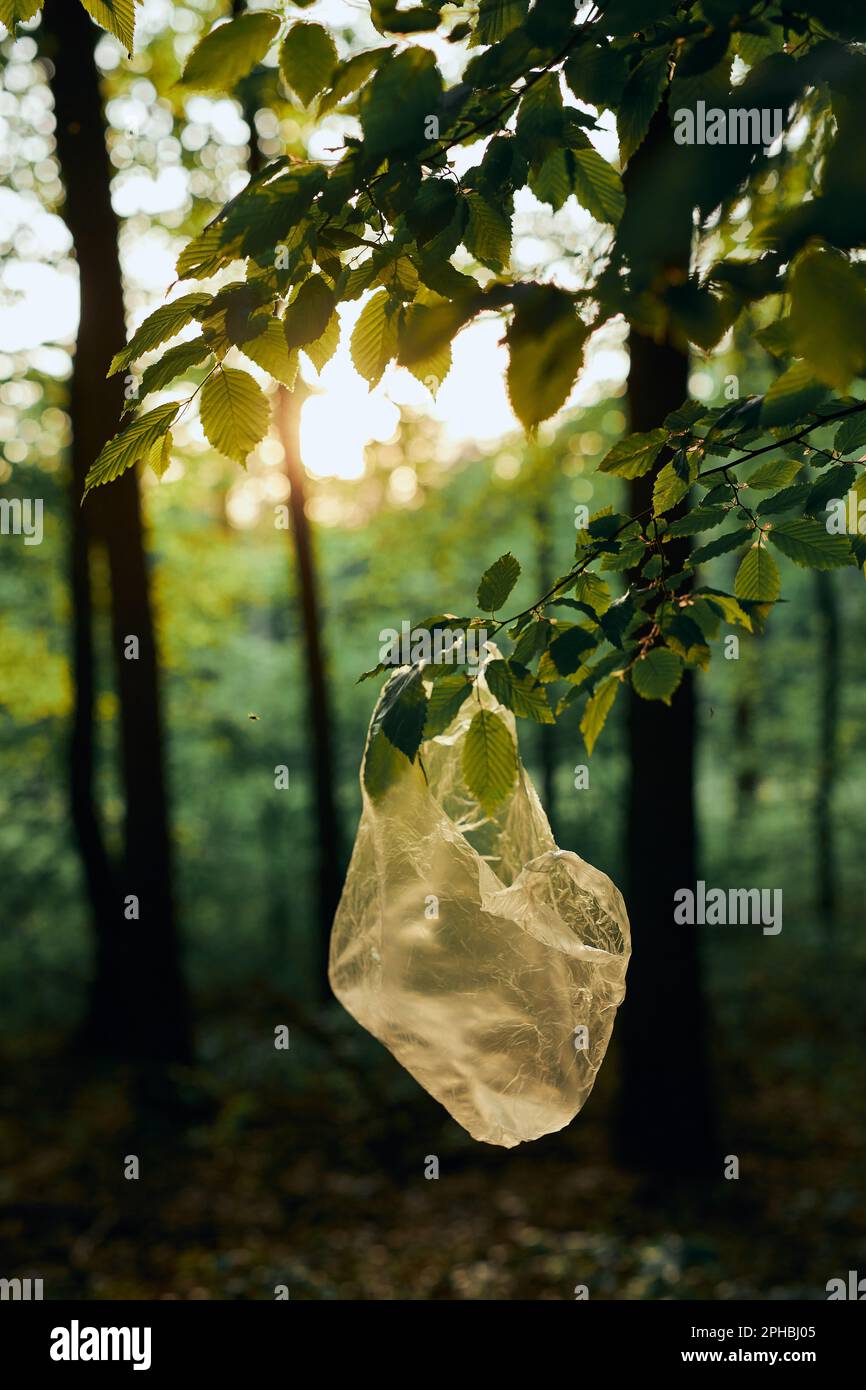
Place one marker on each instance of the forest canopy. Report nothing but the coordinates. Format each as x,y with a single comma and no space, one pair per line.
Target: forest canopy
413,215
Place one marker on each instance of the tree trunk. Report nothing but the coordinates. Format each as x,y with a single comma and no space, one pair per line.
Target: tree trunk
138,1006
828,733
665,1119
329,867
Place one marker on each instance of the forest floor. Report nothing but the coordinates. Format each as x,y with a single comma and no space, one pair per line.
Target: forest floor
306,1169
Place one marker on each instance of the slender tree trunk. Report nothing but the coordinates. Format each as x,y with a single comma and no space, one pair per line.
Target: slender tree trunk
828,747
665,1120
329,840
138,1005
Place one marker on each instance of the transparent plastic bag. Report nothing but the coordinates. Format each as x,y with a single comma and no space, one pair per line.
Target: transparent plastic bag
487,960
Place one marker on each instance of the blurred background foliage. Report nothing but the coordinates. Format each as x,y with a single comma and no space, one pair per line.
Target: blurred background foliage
305,1167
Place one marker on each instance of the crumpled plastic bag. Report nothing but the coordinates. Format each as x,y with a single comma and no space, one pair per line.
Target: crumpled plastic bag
487,960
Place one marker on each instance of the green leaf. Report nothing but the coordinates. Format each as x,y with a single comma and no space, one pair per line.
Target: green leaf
403,722
758,576
640,99
597,185
270,351
597,74
777,473
307,60
851,435
828,315
722,544
591,588
234,413
309,312
700,519
567,649
228,53
395,106
489,759
159,457
670,487
809,544
598,707
158,327
384,765
545,344
496,18
14,12
348,76
176,362
444,703
791,396
135,443
374,338
657,674
635,455
518,690
497,583
488,232
117,16
322,350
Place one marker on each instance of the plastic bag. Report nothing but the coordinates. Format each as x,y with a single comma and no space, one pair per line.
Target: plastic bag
487,960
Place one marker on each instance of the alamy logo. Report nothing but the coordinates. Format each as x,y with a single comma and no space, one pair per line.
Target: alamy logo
739,126
853,1288
714,907
22,517
76,1343
441,645
20,1289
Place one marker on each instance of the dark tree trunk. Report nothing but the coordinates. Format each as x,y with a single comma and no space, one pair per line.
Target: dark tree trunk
138,1005
329,840
828,736
665,1119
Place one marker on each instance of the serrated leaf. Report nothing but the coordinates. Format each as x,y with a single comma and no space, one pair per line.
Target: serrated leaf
700,519
657,675
374,338
568,648
384,765
159,457
669,488
351,74
776,473
640,98
270,351
309,312
489,760
598,707
176,362
431,371
810,544
14,12
722,544
133,444
307,60
488,232
635,455
444,702
591,588
234,413
497,583
758,576
159,326
403,721
518,690
791,396
597,185
117,16
828,315
851,435
322,350
545,350
228,53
